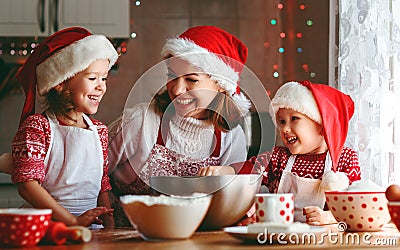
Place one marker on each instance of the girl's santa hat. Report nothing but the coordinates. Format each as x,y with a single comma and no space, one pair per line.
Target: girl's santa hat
323,104
58,58
217,53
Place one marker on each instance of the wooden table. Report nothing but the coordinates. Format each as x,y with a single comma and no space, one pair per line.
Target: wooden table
126,239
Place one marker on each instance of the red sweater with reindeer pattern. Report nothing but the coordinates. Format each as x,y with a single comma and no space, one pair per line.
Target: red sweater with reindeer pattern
30,146
307,166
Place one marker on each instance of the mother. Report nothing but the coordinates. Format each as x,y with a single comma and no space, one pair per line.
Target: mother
195,135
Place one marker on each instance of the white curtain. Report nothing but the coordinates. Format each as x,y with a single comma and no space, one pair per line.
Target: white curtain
369,71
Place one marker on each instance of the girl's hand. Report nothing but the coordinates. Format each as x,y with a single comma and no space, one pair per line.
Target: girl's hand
91,216
247,220
216,170
249,217
6,163
317,216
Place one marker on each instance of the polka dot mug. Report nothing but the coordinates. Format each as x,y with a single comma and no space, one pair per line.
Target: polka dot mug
277,208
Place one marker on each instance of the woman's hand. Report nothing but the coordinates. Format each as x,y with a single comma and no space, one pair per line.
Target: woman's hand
216,170
317,216
92,216
104,201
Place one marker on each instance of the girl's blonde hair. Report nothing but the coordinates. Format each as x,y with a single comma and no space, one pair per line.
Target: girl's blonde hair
222,112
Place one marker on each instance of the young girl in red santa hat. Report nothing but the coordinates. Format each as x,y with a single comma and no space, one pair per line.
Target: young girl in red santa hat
312,120
60,155
190,126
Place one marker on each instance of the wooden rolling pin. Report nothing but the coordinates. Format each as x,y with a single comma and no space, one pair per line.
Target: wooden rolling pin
58,233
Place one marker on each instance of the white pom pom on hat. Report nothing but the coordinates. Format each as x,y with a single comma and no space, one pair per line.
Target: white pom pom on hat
334,181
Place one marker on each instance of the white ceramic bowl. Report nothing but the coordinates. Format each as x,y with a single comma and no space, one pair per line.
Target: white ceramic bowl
165,217
23,227
361,211
233,195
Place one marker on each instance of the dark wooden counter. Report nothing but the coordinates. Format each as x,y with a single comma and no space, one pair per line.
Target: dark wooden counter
126,239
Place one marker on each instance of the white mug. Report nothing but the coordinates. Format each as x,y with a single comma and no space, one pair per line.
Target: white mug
277,208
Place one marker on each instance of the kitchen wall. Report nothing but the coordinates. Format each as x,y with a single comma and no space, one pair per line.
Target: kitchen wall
155,20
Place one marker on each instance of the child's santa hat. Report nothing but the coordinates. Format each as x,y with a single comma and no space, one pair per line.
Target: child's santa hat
323,104
58,58
217,53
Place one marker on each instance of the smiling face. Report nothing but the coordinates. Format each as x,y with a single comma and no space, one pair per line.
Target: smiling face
190,90
299,133
88,87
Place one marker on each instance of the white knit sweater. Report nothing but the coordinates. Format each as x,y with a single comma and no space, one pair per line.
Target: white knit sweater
133,135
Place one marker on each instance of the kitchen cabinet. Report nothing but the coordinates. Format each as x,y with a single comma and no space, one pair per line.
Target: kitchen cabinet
41,18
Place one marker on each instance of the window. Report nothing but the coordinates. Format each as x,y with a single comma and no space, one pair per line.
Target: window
369,71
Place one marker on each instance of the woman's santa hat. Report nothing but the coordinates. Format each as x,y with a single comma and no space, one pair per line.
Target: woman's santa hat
58,58
323,104
217,53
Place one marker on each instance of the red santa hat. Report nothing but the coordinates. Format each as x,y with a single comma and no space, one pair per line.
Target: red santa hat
217,53
321,103
58,58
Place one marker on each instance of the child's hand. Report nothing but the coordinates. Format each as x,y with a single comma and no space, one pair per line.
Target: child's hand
91,216
249,217
6,163
317,216
247,220
216,170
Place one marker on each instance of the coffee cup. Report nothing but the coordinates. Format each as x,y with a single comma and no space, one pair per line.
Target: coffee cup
276,208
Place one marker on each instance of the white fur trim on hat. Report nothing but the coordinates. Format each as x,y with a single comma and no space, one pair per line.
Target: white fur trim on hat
293,95
225,76
73,59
